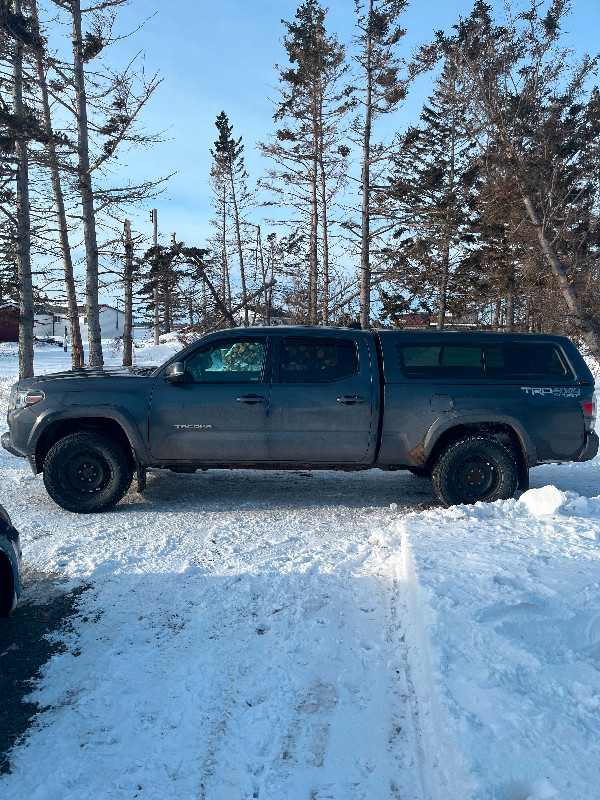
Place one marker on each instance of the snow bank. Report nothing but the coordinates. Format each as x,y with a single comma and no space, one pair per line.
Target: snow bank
516,636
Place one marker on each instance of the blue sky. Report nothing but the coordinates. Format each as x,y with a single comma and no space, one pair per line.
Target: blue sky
222,55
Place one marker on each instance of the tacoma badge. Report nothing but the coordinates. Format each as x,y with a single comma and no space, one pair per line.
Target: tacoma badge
193,426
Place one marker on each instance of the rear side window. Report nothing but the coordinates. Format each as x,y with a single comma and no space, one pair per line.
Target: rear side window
442,361
522,362
504,362
317,360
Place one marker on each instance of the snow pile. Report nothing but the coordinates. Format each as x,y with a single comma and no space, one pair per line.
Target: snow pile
549,500
514,587
542,502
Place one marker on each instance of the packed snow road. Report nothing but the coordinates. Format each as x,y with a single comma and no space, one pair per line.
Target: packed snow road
302,636
244,635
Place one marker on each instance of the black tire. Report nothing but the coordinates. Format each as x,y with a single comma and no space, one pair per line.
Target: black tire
475,469
87,472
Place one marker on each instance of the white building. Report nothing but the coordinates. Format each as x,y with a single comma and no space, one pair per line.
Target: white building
54,320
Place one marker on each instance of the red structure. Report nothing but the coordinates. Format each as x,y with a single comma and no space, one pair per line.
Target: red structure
9,322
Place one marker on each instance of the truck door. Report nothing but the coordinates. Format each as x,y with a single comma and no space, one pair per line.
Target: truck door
220,413
321,401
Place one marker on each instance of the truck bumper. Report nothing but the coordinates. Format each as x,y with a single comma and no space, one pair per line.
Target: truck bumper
591,448
5,440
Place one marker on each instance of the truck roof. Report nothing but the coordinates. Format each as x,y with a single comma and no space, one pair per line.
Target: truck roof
414,335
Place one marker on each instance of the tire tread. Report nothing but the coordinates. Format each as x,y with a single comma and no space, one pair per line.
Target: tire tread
443,470
112,451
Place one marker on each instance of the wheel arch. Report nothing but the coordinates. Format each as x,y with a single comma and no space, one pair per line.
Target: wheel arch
60,426
509,434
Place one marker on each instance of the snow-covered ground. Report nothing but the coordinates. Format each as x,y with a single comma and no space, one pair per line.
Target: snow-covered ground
298,636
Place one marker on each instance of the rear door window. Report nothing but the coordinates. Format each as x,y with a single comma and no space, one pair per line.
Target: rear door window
316,360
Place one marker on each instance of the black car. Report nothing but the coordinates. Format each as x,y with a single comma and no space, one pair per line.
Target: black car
10,564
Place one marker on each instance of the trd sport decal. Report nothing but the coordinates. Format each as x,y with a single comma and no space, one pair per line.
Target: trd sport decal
563,391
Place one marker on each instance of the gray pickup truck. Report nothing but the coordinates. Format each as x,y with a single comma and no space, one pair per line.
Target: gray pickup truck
473,411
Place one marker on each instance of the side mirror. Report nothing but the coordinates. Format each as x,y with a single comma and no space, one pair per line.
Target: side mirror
175,373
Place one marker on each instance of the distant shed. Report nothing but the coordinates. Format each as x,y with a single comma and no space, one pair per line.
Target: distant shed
9,322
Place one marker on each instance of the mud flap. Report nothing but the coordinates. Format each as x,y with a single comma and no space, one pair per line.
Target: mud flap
141,477
523,467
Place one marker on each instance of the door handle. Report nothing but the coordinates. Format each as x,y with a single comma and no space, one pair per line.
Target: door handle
251,399
350,399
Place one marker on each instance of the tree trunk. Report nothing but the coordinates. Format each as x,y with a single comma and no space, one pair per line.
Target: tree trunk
441,320
588,328
510,312
263,273
128,305
496,318
77,357
238,234
155,304
314,231
26,317
446,256
225,285
324,223
87,194
365,237
167,306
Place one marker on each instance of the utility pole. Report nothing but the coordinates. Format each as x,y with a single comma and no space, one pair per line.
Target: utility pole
154,219
128,306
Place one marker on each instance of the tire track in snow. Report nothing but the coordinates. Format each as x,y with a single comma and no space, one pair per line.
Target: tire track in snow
326,706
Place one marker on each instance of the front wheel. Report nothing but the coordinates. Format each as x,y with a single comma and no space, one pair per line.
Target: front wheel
87,472
475,469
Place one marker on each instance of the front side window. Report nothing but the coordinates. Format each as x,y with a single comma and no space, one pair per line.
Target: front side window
228,361
316,360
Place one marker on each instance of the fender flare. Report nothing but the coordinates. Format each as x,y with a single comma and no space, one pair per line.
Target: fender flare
454,420
117,414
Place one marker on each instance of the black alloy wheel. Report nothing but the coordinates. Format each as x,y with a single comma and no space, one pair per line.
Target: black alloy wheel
86,472
475,469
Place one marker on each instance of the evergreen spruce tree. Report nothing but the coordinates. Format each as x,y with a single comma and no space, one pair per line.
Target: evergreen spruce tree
231,181
379,89
537,116
308,148
432,195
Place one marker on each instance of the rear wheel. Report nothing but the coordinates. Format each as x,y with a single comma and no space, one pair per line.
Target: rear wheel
87,472
475,469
